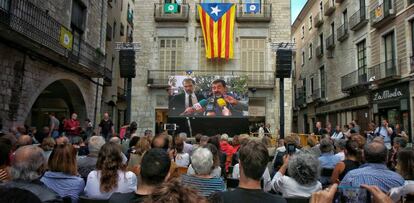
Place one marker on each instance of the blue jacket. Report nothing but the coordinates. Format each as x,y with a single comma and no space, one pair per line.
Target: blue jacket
63,184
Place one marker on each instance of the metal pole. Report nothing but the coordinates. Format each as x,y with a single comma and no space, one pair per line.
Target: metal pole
129,96
282,107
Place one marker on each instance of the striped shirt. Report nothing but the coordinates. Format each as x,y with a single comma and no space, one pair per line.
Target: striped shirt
205,186
373,174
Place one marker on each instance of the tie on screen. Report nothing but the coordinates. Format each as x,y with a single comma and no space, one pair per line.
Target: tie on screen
190,101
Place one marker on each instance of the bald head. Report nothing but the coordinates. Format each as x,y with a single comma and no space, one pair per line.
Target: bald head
24,140
115,140
375,152
28,163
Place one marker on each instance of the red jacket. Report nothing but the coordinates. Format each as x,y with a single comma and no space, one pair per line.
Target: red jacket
70,124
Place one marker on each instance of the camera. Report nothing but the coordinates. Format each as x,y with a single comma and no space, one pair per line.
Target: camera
170,126
291,149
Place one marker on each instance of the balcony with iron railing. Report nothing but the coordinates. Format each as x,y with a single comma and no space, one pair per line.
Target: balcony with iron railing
318,20
319,51
384,72
343,32
163,14
358,19
330,42
383,13
244,13
354,81
30,27
329,7
255,79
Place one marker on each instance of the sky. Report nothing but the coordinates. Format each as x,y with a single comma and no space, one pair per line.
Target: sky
297,5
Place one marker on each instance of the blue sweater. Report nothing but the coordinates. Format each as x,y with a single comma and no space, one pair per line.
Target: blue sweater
63,184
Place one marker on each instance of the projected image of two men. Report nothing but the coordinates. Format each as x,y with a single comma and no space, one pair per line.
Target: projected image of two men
208,96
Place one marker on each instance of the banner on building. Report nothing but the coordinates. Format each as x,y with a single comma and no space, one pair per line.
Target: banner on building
217,22
171,8
66,38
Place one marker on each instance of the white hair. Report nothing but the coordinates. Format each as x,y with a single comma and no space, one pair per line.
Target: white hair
224,136
183,136
115,140
27,169
95,143
202,161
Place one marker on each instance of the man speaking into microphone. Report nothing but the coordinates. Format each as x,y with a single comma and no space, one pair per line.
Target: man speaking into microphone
188,102
225,103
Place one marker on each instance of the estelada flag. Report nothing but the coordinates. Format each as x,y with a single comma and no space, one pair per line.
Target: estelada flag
217,22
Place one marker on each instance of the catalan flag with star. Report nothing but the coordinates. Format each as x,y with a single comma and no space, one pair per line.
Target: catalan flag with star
217,22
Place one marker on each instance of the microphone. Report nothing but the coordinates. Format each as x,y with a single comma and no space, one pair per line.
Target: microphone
201,104
223,105
210,108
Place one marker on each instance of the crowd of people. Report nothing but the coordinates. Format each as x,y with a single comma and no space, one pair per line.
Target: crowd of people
66,167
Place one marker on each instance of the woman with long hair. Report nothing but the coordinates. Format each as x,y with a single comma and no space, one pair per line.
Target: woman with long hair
353,156
110,175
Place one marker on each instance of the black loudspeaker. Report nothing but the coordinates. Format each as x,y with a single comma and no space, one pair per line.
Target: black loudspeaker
283,63
127,63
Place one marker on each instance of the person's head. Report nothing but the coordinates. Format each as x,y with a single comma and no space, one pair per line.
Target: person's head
400,143
216,156
352,149
338,128
106,116
202,161
215,141
109,162
189,85
345,128
304,168
48,144
243,138
375,152
45,130
351,125
318,125
218,87
354,122
371,126
340,145
224,137
359,139
328,125
115,140
133,127
385,122
326,146
204,140
405,164
312,140
281,142
17,195
268,125
95,144
235,141
148,133
24,140
174,192
134,140
179,144
198,138
266,141
253,157
183,135
290,140
28,163
63,159
154,167
142,146
22,130
160,141
62,140
5,150
74,116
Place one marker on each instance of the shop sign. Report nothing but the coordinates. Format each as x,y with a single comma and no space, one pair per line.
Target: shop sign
257,111
388,94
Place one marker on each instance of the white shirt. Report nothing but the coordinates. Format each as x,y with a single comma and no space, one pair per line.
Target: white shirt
337,136
290,188
398,192
261,132
127,182
193,99
267,180
341,155
182,160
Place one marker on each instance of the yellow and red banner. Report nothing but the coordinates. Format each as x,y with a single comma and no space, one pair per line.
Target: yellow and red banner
217,22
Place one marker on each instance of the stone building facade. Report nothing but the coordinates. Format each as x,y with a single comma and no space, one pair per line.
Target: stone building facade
253,35
354,64
38,74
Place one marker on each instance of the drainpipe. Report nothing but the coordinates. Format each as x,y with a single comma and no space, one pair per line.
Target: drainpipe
97,84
